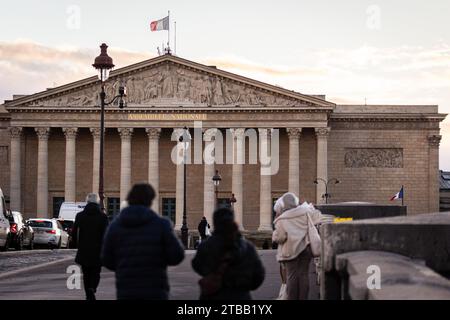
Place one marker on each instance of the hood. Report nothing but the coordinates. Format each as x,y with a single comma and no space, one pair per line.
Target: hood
135,216
296,212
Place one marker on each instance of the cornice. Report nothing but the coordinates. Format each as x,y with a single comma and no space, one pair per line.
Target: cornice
181,109
432,117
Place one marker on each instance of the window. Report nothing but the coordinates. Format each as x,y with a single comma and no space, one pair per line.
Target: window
168,208
113,207
224,203
57,202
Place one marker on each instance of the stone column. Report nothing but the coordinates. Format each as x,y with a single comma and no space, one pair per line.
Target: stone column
95,159
433,173
322,161
125,161
294,160
15,172
179,195
238,166
42,174
209,199
70,174
265,194
153,163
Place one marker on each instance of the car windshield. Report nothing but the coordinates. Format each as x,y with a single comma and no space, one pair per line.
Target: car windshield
41,224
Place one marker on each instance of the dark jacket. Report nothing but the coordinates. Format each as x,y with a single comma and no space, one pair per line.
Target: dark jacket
88,232
244,273
202,228
138,246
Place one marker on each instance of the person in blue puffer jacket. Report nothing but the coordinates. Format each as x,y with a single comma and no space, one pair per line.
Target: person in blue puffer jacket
139,245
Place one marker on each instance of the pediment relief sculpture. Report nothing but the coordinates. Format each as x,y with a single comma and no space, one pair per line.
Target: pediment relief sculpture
171,85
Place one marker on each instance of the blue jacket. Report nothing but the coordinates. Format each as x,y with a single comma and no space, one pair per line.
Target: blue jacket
138,246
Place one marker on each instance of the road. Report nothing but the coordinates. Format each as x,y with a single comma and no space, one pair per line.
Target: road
50,282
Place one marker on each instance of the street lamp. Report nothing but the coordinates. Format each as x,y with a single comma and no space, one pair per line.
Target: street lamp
326,195
185,138
216,180
104,63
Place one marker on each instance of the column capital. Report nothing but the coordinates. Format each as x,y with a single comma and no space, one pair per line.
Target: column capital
265,132
434,140
238,133
322,132
210,134
15,132
153,133
42,133
294,133
70,133
95,132
125,133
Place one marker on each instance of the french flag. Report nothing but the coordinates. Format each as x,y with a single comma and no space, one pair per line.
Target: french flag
398,195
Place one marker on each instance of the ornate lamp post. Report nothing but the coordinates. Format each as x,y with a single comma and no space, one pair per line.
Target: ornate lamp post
216,180
326,195
185,138
104,63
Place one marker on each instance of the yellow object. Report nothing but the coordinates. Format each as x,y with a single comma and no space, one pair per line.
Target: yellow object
337,220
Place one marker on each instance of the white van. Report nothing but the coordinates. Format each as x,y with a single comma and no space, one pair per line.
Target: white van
4,223
69,210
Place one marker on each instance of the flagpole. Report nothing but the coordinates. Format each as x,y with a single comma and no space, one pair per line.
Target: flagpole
403,196
175,39
168,32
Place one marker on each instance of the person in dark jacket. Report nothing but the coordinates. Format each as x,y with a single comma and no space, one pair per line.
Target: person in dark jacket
88,232
202,228
138,246
243,271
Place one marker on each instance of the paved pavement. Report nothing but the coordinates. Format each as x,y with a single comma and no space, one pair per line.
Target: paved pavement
50,282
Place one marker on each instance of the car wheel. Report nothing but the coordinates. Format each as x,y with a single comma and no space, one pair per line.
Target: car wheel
6,246
31,246
19,244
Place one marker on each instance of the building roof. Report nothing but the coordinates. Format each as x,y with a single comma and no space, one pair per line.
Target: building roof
444,180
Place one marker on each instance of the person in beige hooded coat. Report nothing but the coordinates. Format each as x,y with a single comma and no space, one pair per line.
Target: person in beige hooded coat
291,234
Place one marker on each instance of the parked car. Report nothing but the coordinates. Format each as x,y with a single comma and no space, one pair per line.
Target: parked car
4,224
49,232
21,233
67,213
67,227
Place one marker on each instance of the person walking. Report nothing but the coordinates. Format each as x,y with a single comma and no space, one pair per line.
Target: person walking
291,234
139,246
229,264
203,226
88,232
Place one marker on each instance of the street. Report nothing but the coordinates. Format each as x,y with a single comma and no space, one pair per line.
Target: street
50,282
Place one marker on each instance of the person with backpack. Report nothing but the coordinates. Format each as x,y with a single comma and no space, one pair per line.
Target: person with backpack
229,265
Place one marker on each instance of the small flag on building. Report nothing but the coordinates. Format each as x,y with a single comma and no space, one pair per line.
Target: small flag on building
398,195
162,24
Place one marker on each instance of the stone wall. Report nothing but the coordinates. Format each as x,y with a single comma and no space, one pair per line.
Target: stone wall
379,162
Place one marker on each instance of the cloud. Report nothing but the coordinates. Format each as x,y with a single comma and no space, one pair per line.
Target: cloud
28,67
399,75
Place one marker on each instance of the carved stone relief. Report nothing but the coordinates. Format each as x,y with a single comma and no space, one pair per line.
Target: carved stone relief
374,158
172,83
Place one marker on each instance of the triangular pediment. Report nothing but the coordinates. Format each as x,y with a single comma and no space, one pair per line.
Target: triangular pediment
169,81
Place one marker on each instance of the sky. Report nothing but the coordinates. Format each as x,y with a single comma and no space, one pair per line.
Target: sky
379,51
